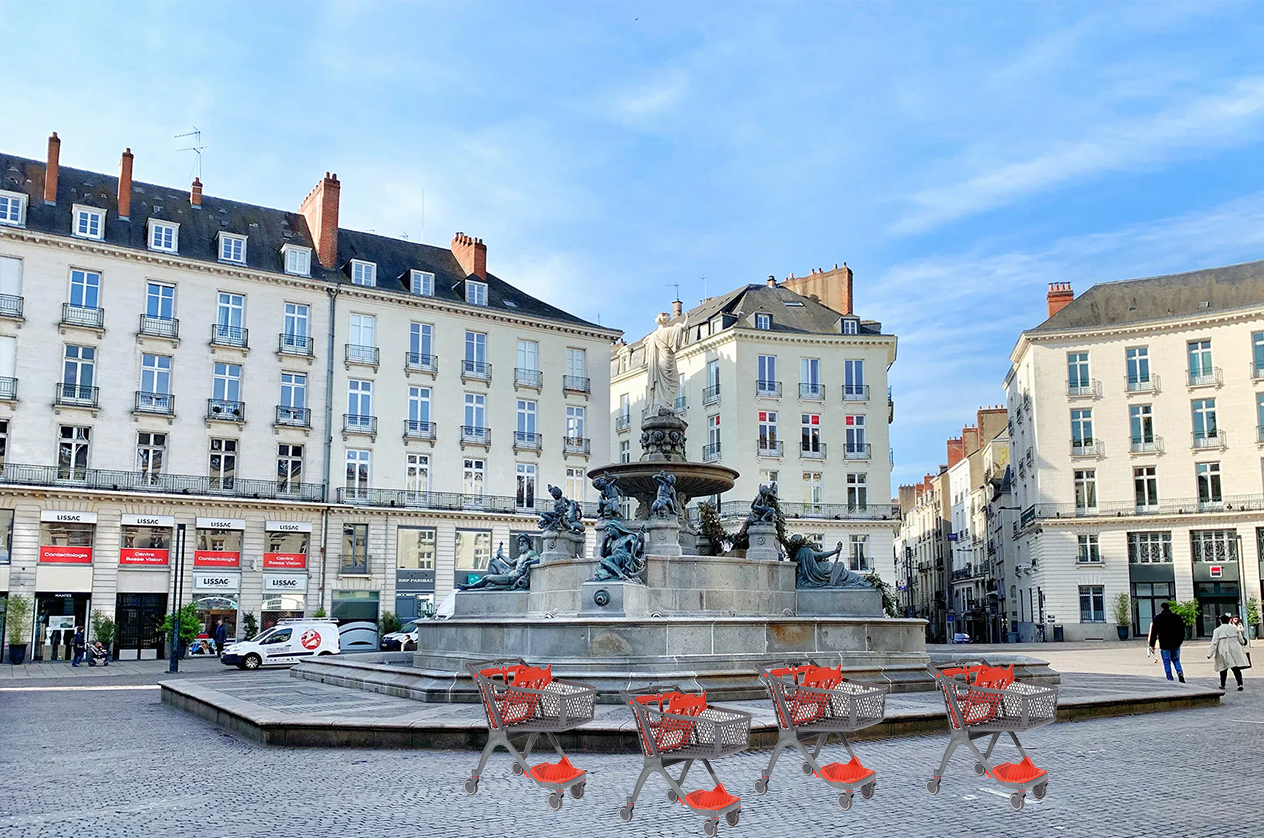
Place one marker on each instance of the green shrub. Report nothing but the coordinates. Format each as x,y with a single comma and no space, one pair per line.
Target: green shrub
1253,612
103,629
889,604
389,623
190,625
320,613
1187,611
251,625
1123,610
18,618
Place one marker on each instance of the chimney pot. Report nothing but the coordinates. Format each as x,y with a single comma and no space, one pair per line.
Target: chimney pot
51,170
1059,297
471,255
195,193
125,185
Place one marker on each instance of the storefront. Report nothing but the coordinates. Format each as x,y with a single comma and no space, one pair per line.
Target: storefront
1216,576
215,596
63,581
144,579
414,572
284,571
284,597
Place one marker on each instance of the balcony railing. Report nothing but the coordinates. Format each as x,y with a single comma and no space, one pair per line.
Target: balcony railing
1259,430
235,336
735,509
475,435
417,429
1204,378
1202,440
359,423
528,441
576,384
360,354
1136,384
8,389
162,404
76,395
711,394
226,410
1257,367
855,392
681,404
91,318
1081,389
451,501
622,422
421,362
812,450
159,327
528,378
293,417
858,451
11,306
769,447
768,389
149,482
1087,448
575,445
711,451
1129,508
812,392
300,345
1150,445
478,370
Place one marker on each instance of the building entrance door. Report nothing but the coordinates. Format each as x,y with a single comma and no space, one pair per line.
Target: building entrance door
138,617
1214,599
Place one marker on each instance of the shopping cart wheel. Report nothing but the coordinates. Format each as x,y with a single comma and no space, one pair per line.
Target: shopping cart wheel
710,828
866,791
1017,800
806,768
932,786
844,801
625,813
516,769
555,801
672,797
731,818
577,791
1040,791
471,786
979,769
761,786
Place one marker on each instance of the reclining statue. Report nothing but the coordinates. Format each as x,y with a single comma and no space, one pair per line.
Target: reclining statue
815,572
508,574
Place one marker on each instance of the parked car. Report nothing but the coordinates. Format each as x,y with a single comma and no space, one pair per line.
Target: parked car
961,637
285,644
403,640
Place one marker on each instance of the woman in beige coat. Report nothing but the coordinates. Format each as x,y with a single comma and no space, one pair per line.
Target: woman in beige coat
1226,647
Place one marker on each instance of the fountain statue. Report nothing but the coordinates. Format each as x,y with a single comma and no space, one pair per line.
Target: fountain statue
508,574
662,378
566,515
815,572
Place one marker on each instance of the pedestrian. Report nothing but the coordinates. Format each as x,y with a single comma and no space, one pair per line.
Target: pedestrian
220,636
1168,629
80,647
1226,648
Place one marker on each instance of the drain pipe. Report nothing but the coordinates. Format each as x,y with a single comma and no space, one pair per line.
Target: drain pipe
329,434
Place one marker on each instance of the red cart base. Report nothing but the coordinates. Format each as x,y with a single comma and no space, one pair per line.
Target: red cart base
709,801
555,772
850,773
1024,772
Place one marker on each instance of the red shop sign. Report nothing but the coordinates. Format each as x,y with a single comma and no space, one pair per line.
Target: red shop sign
216,558
287,561
1216,571
142,556
66,555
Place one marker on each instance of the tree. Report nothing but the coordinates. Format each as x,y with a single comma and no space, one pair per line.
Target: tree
18,618
251,624
389,623
190,625
103,629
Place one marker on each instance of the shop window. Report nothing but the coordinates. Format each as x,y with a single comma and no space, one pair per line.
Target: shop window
217,548
6,534
286,551
144,546
66,543
472,552
415,548
355,549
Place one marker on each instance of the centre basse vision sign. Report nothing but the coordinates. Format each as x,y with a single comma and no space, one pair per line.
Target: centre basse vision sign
144,556
285,561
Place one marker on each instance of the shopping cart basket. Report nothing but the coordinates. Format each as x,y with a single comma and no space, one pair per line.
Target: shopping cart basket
525,702
987,701
676,727
813,702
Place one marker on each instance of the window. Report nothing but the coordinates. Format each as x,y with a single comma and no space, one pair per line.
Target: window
1145,486
226,383
1090,551
421,345
1085,489
476,354
293,394
419,408
163,236
473,550
472,482
763,322
230,319
526,486
625,452
713,382
160,301
1149,547
1078,381
713,431
857,492
768,476
4,448
1141,424
1205,429
856,446
1092,604
362,338
72,452
295,327
363,273
576,363
1200,368
85,289
526,422
475,293
358,462
355,549
1208,478
810,376
232,248
12,208
812,490
222,463
1213,546
1257,354
89,223
422,283
475,411
858,554
766,383
625,407
415,548
298,260
78,368
1081,429
359,404
851,326
155,383
854,380
1138,361
575,483
289,467
810,433
529,357
574,423
768,430
417,475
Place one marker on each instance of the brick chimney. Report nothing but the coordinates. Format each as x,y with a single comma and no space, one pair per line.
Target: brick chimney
956,451
678,308
471,254
832,287
50,172
320,208
195,193
125,185
1059,297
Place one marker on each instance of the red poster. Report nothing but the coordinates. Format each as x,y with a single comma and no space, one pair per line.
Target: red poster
66,555
216,558
285,561
142,556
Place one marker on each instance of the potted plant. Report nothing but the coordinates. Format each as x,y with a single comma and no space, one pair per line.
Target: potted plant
320,613
104,629
190,625
1187,611
1123,616
251,624
18,619
1253,616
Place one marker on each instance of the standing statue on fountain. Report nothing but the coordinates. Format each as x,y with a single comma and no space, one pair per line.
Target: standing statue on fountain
662,380
566,515
610,502
664,505
815,572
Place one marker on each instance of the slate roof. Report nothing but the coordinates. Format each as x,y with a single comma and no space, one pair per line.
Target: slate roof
268,230
1162,298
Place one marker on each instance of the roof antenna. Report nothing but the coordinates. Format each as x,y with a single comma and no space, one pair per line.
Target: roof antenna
197,148
704,289
675,285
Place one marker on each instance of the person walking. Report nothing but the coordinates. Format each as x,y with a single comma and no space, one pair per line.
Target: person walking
78,643
1226,646
220,636
1168,630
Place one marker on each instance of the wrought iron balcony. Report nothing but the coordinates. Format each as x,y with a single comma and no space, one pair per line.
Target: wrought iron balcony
293,417
858,451
812,392
1129,508
769,447
1204,378
1147,445
768,389
475,435
734,509
622,422
1203,440
681,404
157,483
1087,448
418,429
477,370
855,392
359,354
8,389
421,362
524,377
1138,384
226,410
77,395
11,307
1084,388
1257,367
710,451
711,395
159,327
813,450
575,445
235,336
528,441
161,404
576,384
359,423
300,345
89,318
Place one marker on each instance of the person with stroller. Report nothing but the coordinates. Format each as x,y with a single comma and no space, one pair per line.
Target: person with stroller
1226,646
1168,629
78,643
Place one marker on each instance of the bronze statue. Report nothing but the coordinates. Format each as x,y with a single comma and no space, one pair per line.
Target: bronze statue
566,515
664,505
622,554
815,572
508,574
764,507
610,503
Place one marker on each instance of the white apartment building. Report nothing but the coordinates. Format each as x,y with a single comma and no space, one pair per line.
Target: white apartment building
783,389
922,551
335,420
1135,415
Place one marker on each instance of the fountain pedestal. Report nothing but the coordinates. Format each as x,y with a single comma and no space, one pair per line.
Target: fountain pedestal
763,542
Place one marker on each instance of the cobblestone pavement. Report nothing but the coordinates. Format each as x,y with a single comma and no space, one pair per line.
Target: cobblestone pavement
116,762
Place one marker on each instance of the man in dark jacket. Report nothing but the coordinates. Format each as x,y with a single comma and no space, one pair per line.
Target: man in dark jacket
79,645
1169,630
221,637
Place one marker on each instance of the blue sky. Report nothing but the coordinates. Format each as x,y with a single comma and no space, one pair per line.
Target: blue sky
957,157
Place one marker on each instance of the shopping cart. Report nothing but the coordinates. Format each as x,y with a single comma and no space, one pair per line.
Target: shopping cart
986,700
676,727
813,702
525,702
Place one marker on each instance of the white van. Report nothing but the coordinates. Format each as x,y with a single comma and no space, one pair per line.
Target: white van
285,644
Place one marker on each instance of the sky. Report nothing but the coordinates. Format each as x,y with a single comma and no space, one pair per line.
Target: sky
957,157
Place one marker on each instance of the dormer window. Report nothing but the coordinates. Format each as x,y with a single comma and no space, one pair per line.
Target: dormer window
298,260
851,326
13,208
89,223
232,248
475,293
363,273
763,322
164,236
422,283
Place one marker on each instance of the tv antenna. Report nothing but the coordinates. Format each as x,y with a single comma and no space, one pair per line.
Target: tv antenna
675,285
197,148
704,289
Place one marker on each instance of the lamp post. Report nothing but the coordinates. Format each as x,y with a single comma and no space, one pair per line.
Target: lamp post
177,591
